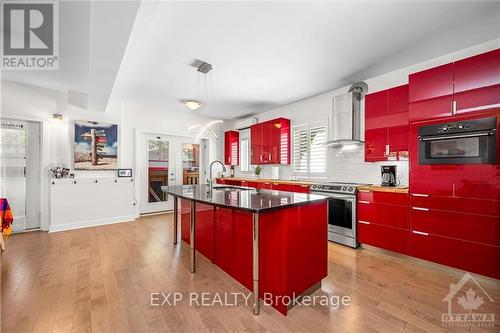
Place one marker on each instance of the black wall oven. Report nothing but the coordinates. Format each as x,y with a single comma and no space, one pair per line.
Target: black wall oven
462,142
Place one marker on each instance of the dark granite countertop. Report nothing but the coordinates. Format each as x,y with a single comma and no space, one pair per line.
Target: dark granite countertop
242,198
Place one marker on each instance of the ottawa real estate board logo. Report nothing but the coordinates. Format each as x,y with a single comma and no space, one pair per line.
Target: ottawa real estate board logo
30,35
467,305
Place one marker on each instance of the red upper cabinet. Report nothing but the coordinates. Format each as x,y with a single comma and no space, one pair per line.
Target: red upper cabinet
468,85
431,83
386,124
477,82
431,93
256,144
231,147
398,122
477,72
270,142
376,133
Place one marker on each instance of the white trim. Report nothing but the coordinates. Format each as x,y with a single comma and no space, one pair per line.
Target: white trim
91,223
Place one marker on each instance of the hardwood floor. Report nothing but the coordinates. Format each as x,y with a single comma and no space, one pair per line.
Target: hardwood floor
100,279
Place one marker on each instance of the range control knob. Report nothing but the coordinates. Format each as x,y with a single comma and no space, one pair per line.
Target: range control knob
351,189
460,126
343,188
444,128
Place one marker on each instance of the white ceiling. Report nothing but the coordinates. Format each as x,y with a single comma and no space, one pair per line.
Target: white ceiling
92,42
265,54
269,54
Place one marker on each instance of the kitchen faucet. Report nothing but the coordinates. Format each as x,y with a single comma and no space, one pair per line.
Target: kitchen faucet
210,180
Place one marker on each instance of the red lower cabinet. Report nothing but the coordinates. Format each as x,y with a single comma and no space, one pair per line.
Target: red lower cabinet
301,188
468,227
383,220
394,239
470,256
280,187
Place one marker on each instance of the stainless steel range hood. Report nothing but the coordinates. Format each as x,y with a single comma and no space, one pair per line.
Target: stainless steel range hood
347,116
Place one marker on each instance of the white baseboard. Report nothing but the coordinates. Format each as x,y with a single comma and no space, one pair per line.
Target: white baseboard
91,223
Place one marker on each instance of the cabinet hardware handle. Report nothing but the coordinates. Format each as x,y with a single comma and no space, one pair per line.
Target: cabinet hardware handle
387,150
364,191
364,202
420,195
363,222
420,233
454,108
304,185
420,208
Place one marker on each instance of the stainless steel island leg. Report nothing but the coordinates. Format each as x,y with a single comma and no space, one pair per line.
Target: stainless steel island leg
255,246
176,218
191,235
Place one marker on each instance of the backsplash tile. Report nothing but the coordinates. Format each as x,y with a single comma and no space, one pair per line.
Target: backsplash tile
345,166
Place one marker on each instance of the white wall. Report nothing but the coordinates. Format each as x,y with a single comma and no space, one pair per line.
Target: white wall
350,166
20,101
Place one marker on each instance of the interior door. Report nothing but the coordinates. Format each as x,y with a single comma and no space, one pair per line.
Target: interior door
158,169
169,161
20,181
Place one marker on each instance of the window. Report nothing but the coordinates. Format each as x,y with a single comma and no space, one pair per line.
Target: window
244,151
309,150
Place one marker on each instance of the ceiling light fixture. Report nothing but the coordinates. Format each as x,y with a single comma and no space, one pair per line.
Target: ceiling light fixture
204,87
193,105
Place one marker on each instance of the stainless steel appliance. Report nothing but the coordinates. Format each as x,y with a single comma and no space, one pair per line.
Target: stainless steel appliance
341,211
461,142
388,175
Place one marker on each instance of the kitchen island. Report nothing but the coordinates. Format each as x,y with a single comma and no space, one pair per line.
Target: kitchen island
272,242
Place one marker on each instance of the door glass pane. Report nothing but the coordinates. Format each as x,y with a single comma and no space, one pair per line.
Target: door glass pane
157,170
13,159
190,163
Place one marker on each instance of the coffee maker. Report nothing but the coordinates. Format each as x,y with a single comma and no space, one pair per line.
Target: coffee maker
388,175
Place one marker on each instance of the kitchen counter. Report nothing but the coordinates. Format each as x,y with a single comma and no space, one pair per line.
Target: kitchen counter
268,180
379,188
272,242
242,198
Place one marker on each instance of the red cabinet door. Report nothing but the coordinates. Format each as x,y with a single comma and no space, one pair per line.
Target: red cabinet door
266,186
477,72
300,188
431,93
266,142
231,147
284,141
431,83
469,256
376,133
384,214
280,187
477,82
475,228
385,237
274,141
256,144
398,122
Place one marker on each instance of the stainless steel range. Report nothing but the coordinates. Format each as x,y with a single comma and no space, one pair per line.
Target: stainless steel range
341,211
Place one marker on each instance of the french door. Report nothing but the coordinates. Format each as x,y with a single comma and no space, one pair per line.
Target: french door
20,171
168,161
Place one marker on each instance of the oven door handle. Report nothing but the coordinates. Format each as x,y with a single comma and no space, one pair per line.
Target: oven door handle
457,136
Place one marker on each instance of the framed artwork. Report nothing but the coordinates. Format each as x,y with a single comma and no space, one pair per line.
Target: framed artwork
95,146
124,172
